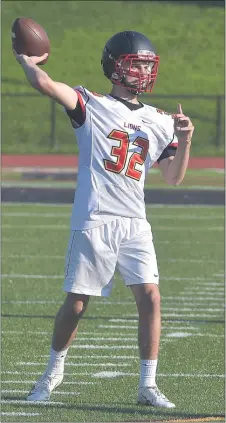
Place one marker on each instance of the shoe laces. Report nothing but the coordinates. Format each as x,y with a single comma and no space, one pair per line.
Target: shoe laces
160,394
43,382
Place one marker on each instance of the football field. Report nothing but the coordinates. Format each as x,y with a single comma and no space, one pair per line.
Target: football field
102,366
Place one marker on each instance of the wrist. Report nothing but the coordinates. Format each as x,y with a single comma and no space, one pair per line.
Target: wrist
184,142
25,60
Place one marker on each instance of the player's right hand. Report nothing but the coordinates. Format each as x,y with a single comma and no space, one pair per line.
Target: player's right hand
21,58
183,127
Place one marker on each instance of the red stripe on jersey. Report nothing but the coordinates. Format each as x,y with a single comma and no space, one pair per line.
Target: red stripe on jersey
173,144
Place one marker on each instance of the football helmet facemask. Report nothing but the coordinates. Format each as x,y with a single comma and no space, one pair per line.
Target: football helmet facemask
129,60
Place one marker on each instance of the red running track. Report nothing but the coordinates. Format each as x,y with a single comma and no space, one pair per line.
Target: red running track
57,161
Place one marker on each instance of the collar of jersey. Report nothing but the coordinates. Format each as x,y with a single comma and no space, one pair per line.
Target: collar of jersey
126,103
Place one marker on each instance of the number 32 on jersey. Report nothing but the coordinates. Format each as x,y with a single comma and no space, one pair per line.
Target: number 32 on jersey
121,153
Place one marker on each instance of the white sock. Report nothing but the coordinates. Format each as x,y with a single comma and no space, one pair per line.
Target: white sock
148,372
56,361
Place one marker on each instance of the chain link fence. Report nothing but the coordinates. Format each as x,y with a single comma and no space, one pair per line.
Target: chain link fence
32,123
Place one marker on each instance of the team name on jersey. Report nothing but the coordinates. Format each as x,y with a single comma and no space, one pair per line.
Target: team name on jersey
132,126
162,112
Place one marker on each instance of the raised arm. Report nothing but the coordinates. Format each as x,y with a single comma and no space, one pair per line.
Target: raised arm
41,81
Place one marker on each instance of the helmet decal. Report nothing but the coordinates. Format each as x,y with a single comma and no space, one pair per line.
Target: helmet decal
141,53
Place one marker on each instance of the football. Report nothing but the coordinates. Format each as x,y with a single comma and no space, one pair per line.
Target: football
28,37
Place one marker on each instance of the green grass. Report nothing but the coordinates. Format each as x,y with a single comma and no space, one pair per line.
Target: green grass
189,244
189,39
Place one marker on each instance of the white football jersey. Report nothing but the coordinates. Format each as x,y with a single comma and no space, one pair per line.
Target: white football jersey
117,146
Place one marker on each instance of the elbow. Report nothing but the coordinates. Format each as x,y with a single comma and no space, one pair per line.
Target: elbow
174,182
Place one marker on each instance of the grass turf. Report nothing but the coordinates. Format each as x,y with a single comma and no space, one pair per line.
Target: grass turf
189,245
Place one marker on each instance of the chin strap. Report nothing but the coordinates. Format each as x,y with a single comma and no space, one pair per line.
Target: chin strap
129,88
133,91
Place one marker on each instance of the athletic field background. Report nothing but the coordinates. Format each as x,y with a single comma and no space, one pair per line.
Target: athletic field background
188,37
102,367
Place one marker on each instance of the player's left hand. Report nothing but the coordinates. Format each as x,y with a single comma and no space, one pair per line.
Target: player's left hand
183,127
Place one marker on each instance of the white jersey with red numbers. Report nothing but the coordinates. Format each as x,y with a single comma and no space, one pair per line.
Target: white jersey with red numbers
117,146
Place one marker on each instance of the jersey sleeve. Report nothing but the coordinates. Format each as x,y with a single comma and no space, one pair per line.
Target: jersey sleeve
170,150
169,141
78,115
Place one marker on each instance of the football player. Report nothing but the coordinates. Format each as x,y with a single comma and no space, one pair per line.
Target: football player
119,139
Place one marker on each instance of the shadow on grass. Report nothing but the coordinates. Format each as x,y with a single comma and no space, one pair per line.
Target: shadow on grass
130,409
203,3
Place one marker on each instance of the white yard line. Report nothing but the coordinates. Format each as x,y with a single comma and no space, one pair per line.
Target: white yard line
206,294
199,306
176,312
174,309
82,334
44,215
163,328
188,260
218,287
213,284
119,327
205,335
57,227
85,339
211,310
102,347
130,339
24,363
28,403
68,215
21,276
219,275
112,357
123,338
67,206
34,256
199,375
58,257
187,242
124,320
25,332
199,297
189,278
129,303
15,372
27,276
189,315
21,382
176,375
190,375
19,391
165,241
31,302
169,300
41,205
